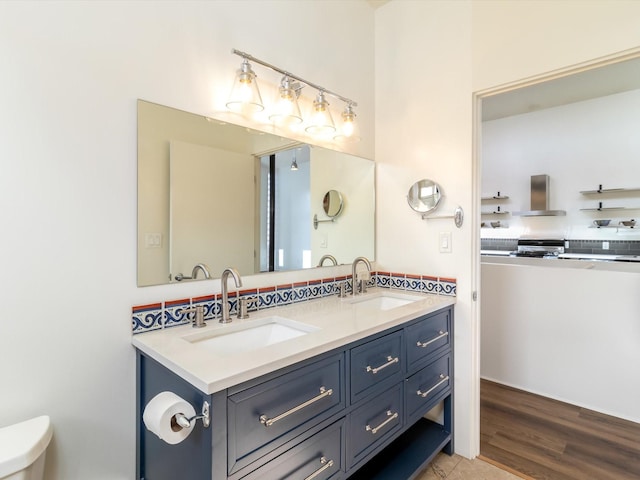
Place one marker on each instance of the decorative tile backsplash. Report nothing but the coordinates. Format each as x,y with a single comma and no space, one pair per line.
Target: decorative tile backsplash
171,313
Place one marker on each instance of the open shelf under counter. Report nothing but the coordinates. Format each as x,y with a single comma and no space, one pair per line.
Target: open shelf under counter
405,457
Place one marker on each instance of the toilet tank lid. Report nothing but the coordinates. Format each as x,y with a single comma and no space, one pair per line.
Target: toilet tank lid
22,443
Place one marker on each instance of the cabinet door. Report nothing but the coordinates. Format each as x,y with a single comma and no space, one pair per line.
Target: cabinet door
371,424
428,338
264,416
319,457
427,387
374,362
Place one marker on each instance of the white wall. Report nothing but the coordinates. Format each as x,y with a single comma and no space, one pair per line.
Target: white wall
430,58
72,72
424,120
580,146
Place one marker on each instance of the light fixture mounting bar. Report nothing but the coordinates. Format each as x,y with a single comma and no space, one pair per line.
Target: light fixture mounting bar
295,77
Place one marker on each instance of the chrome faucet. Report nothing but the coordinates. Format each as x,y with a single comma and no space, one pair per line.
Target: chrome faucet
200,266
194,273
331,258
355,287
225,291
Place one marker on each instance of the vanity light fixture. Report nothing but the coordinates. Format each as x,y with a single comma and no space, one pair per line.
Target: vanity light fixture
245,96
349,130
321,120
286,111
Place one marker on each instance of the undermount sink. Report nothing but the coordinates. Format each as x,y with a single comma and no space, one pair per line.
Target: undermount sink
248,336
383,300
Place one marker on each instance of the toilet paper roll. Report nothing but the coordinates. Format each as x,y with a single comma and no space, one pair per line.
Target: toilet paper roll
159,417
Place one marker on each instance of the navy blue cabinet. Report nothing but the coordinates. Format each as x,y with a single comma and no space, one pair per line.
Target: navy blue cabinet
270,412
354,412
375,364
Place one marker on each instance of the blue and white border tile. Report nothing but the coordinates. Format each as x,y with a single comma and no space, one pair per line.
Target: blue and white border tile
447,286
300,292
267,297
145,318
174,312
284,294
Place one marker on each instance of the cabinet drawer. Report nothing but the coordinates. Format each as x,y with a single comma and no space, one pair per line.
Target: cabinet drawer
428,337
373,423
427,385
319,457
264,416
374,362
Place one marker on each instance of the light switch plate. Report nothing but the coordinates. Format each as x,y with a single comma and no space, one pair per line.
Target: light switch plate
445,242
324,240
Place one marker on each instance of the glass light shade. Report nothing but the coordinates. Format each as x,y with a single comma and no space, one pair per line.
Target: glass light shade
245,96
349,131
321,121
286,111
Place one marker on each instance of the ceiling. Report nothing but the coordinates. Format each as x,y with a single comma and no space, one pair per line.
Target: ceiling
597,82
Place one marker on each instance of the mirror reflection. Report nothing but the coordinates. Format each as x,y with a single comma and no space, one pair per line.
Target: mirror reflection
216,194
332,203
424,196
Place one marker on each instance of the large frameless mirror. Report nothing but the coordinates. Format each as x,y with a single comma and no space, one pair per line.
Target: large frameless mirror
221,195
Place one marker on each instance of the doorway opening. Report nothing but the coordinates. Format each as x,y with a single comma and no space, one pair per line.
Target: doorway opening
505,364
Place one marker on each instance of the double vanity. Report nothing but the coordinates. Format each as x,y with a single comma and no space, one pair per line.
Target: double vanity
327,388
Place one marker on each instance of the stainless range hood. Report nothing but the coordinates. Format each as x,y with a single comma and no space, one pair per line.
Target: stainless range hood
540,199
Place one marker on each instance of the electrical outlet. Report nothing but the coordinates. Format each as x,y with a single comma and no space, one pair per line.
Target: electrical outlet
153,240
605,245
445,242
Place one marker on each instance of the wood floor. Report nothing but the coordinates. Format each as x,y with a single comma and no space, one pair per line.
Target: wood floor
549,440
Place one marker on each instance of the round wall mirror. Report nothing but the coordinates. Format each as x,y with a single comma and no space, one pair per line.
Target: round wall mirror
332,203
424,196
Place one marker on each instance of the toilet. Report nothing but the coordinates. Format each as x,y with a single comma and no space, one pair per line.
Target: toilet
23,447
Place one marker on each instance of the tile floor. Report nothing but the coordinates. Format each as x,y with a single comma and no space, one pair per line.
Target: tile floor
460,468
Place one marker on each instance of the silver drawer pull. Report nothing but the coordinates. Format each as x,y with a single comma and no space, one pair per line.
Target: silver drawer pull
390,361
325,464
390,417
444,379
267,422
441,334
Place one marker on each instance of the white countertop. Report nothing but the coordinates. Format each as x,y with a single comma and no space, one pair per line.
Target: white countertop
338,321
577,261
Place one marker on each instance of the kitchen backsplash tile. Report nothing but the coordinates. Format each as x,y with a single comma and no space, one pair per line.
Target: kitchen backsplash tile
146,318
616,247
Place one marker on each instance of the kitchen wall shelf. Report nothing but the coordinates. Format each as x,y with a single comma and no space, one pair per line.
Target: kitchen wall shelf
602,209
495,197
496,212
609,190
617,227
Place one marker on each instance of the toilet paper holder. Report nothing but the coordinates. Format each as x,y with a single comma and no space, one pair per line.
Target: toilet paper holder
185,422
